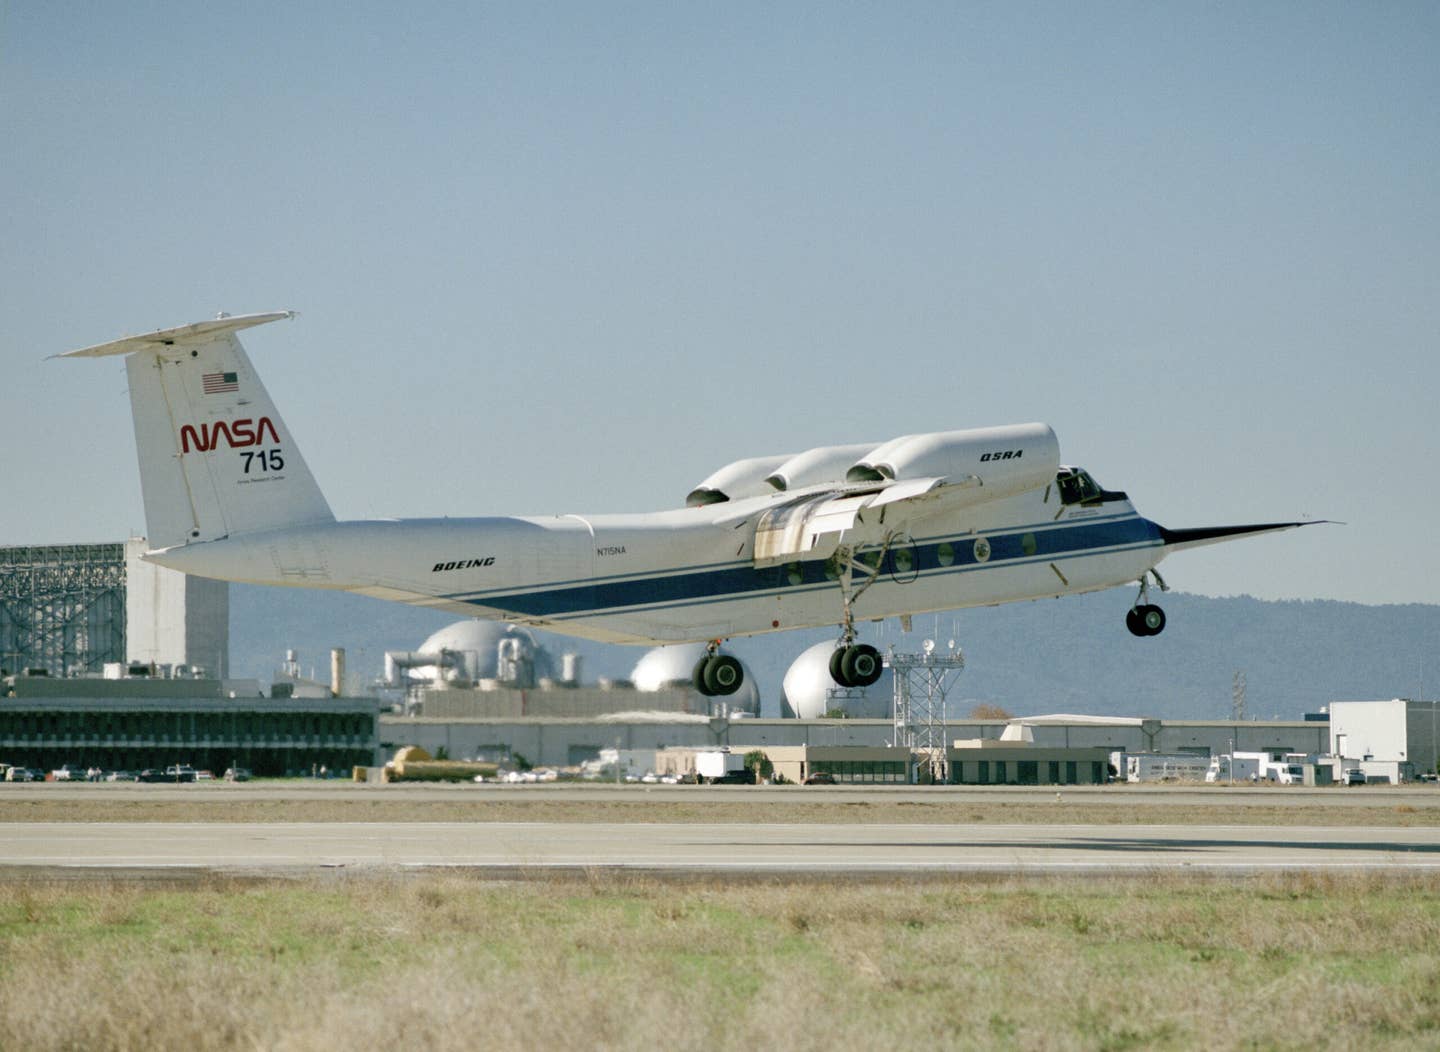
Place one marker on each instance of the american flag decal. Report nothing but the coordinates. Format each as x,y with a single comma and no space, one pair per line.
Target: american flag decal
220,383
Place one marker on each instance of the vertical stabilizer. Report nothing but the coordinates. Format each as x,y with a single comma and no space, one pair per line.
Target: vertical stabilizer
216,459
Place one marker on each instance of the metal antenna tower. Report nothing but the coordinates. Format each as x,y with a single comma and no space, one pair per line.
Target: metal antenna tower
921,683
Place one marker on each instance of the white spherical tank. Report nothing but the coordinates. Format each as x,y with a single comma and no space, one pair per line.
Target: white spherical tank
675,665
806,691
666,666
480,644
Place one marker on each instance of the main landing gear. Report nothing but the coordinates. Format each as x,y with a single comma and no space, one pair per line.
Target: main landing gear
717,674
1145,618
856,664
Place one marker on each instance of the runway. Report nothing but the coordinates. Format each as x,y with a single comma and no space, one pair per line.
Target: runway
1417,797
292,828
501,848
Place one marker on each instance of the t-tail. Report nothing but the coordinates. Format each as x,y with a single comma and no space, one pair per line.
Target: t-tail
216,459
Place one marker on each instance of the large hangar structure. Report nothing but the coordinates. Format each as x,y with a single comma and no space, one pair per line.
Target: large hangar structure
73,609
62,607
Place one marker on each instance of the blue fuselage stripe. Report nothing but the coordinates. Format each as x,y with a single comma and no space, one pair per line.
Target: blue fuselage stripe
955,554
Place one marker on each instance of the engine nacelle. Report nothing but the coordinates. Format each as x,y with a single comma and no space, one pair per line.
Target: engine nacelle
814,466
1002,460
735,481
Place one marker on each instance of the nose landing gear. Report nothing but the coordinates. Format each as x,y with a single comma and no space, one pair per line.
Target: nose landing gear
1145,618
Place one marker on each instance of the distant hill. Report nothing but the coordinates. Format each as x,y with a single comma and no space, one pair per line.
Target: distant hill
1069,655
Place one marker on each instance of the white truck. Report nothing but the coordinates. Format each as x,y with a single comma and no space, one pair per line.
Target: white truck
1237,767
1165,767
718,765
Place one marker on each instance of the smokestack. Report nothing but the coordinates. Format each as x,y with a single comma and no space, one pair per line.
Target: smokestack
337,672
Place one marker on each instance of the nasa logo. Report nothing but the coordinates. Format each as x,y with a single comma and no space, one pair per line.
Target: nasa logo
1009,454
464,564
237,434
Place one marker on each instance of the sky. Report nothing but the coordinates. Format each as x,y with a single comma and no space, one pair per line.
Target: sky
574,257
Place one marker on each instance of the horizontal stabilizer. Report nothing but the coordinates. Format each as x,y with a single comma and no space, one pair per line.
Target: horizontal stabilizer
165,340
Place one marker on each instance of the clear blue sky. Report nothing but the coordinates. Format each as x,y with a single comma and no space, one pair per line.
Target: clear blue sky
574,257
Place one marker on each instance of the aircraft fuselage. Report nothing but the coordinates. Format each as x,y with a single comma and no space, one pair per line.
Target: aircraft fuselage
690,575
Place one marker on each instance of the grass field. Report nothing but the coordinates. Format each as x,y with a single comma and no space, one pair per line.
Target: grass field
215,804
442,962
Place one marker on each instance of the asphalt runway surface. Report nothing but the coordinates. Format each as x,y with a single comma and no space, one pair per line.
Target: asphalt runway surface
503,847
29,849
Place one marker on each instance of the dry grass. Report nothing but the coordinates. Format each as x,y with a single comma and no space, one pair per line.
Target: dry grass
614,962
380,805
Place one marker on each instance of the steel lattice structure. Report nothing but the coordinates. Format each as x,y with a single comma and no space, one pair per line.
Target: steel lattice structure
62,607
921,683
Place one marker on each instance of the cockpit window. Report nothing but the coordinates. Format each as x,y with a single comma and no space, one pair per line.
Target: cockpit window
1077,487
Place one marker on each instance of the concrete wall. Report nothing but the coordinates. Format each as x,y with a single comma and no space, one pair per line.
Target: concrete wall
172,618
1369,728
1422,722
580,702
1002,765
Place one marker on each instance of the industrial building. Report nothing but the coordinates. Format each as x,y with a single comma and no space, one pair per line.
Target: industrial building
1393,740
138,723
73,609
488,691
566,741
488,669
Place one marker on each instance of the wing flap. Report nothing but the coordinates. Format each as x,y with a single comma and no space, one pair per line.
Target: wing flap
813,527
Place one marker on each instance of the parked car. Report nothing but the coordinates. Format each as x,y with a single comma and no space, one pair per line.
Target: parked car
23,774
1354,776
237,774
821,778
180,772
120,776
152,774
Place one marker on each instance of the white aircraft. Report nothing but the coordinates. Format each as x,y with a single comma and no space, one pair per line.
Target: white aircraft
914,525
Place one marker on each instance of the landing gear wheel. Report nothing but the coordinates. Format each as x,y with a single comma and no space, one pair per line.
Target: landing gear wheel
697,677
723,675
857,665
1153,620
1145,620
862,665
1132,621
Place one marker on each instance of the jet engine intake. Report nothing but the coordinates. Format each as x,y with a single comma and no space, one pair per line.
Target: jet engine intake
737,480
814,466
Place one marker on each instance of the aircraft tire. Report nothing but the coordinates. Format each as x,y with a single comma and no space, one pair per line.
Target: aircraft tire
862,665
697,677
1133,622
837,667
723,675
1152,619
